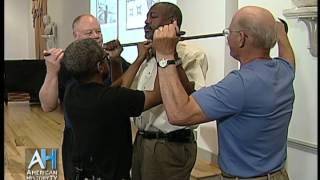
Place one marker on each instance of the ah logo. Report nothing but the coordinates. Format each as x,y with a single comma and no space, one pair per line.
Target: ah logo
43,158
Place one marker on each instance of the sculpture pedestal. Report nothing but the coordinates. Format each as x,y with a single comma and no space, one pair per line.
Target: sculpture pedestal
309,16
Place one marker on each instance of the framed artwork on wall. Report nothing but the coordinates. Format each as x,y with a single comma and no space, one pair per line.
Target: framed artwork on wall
106,11
136,11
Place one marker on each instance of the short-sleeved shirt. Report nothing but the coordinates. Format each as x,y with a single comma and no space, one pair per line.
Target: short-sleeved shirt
194,62
101,125
65,78
253,108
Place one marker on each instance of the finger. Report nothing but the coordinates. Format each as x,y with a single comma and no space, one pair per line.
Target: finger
165,28
46,53
147,42
176,27
118,42
51,51
156,33
60,57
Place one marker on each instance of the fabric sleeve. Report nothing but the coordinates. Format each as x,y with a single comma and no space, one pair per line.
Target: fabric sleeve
290,66
129,102
222,100
195,64
63,80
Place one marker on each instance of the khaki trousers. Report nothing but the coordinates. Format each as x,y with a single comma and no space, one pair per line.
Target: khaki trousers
158,159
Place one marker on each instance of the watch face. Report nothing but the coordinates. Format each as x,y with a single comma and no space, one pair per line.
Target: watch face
163,63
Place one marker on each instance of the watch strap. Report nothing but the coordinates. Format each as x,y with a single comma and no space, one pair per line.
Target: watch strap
178,62
167,62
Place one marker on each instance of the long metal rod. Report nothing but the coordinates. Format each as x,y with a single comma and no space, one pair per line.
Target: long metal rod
182,38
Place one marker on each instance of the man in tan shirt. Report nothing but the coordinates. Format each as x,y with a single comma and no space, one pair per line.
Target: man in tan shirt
161,150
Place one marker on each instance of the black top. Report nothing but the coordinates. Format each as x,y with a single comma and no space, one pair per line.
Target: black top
101,126
65,77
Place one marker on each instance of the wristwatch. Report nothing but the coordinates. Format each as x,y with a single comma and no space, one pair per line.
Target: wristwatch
165,62
178,62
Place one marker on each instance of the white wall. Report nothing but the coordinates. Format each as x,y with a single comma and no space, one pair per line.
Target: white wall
19,32
18,23
210,17
200,17
63,12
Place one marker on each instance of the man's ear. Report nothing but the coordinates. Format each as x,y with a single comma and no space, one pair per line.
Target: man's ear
243,38
74,34
100,67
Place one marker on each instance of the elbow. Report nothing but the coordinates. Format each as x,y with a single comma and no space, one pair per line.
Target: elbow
47,108
176,120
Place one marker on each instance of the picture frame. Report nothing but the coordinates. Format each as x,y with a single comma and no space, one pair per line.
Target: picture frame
136,11
106,12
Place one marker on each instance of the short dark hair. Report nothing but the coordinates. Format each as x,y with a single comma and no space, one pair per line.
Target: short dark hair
172,10
81,58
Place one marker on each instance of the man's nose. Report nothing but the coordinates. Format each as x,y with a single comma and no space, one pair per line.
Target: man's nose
147,21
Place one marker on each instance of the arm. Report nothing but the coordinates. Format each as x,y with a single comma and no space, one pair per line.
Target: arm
153,98
114,50
48,93
284,46
194,67
126,79
187,85
181,109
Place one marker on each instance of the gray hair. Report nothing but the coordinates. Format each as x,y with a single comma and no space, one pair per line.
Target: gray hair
81,58
264,36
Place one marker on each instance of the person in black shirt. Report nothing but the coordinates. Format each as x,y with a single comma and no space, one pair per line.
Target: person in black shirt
99,114
52,91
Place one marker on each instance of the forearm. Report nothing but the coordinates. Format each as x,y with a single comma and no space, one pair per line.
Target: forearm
285,49
174,96
153,98
48,93
116,69
187,85
126,79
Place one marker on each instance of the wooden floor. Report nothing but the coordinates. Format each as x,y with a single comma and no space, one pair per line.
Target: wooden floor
27,126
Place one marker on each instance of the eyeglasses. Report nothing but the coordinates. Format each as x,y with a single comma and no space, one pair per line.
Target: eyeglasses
226,32
106,58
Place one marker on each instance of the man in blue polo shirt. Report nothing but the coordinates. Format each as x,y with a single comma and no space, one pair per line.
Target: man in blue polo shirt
252,105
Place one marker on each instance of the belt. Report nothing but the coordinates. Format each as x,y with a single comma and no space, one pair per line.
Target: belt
262,177
181,135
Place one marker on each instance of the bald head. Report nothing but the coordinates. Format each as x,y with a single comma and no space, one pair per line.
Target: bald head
87,26
259,22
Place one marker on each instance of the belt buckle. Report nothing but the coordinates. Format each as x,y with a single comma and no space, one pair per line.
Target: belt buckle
141,132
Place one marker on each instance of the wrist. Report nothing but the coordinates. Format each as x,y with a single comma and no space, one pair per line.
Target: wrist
52,74
115,58
164,56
